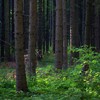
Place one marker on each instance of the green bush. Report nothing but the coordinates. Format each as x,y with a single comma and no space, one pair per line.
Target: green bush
65,85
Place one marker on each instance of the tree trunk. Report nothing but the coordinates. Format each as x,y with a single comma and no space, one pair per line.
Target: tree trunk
74,36
89,13
7,29
47,27
21,84
32,37
2,32
59,34
26,23
83,20
53,25
44,25
65,57
97,25
40,33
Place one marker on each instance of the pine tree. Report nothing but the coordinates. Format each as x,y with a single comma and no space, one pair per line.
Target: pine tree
32,37
21,84
65,56
59,34
7,29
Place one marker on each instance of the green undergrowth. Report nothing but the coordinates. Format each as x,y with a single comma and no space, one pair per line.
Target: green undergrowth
68,84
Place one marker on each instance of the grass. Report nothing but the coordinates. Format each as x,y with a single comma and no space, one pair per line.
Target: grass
48,85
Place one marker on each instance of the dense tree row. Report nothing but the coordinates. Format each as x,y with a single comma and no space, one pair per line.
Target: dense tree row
32,27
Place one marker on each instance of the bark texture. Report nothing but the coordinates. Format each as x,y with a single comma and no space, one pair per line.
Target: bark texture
7,29
59,34
74,36
21,84
65,63
32,36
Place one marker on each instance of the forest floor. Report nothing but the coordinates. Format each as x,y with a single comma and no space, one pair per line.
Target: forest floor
49,85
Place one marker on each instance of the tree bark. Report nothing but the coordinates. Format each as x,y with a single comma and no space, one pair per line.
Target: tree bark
26,23
65,56
2,41
32,37
7,29
74,36
21,84
59,34
89,27
97,25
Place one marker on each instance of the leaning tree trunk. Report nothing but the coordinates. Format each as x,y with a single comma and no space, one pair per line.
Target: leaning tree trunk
59,32
21,84
32,37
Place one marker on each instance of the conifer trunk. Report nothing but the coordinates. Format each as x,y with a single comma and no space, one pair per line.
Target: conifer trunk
21,84
65,63
32,37
59,34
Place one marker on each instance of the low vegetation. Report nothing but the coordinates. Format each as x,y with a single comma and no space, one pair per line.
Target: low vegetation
69,84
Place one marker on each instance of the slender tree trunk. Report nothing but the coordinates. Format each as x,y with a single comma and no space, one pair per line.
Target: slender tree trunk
83,20
0,26
88,32
93,25
53,26
11,27
32,37
2,32
80,12
26,23
21,84
7,29
97,26
44,25
74,36
40,33
65,56
59,34
47,27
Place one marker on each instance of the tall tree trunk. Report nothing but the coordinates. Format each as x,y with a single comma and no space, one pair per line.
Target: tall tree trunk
32,37
7,29
53,25
40,33
80,12
97,25
74,36
26,23
65,56
11,28
44,25
88,32
0,25
83,20
59,33
47,27
21,84
2,32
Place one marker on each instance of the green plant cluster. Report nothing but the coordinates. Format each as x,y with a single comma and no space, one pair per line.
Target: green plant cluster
69,84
